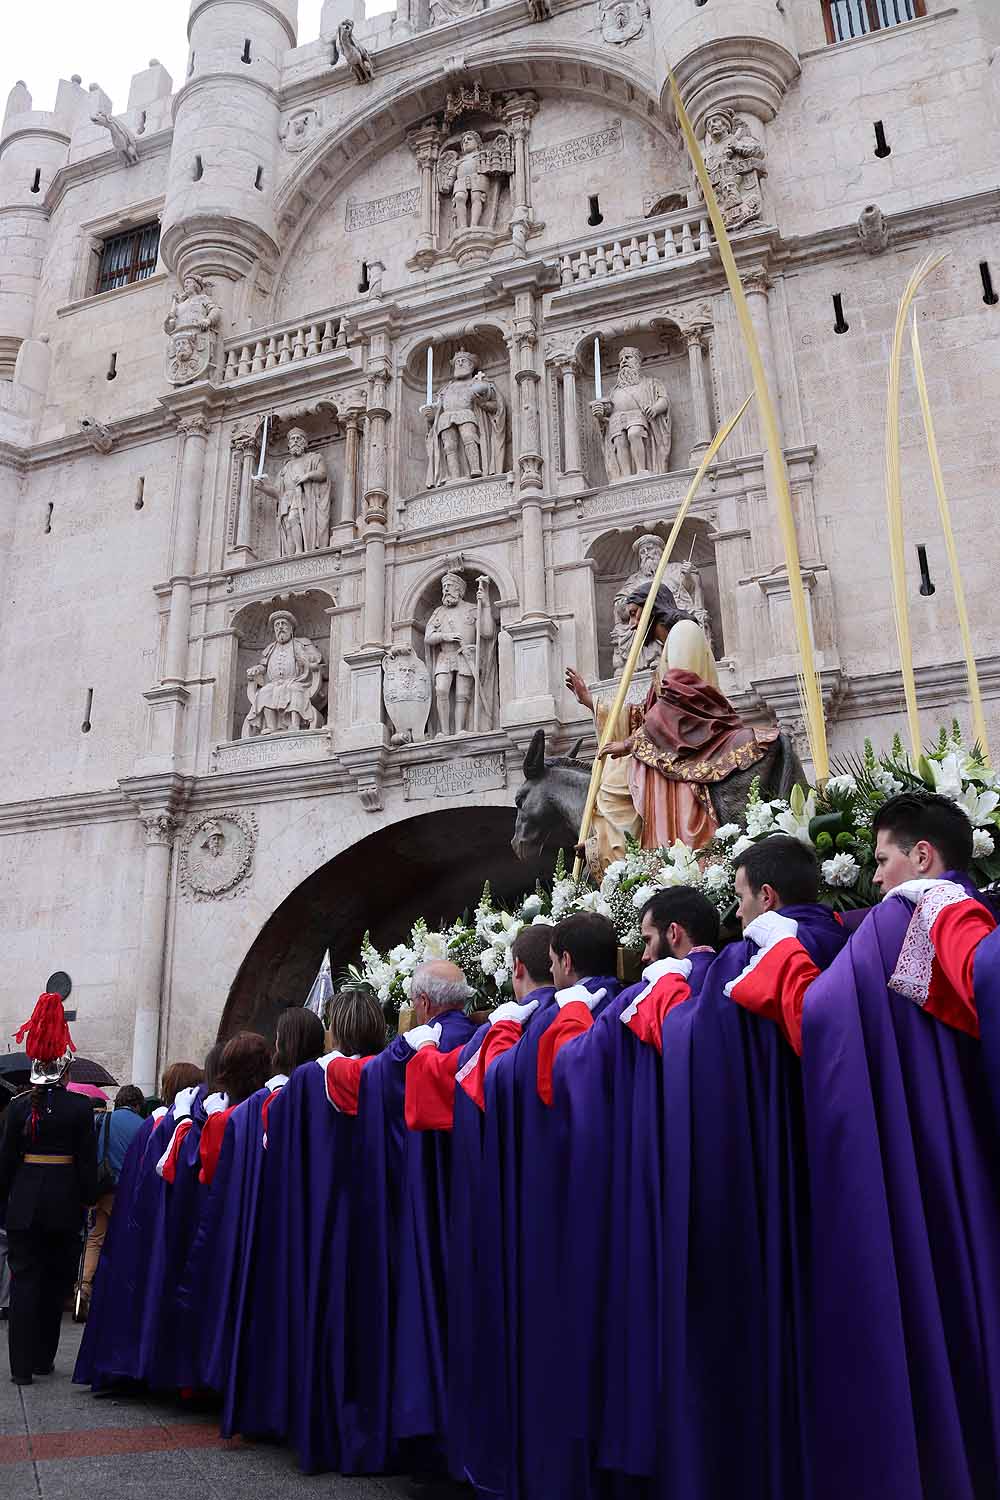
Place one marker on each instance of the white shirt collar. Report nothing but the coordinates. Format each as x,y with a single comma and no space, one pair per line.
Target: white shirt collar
277,1082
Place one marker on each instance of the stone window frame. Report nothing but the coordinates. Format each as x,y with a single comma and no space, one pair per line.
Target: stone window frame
879,15
95,233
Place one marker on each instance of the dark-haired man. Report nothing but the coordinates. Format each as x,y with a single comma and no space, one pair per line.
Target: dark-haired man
734,1210
902,1161
525,1450
608,1090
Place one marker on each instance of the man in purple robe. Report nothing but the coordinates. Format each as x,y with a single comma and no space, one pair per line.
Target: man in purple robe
735,1229
520,1454
607,1087
903,1153
436,1101
212,1296
422,1290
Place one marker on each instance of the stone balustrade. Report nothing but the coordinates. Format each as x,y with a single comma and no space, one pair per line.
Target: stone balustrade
670,237
285,346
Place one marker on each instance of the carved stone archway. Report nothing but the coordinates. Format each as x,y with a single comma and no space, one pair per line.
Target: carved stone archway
432,866
366,133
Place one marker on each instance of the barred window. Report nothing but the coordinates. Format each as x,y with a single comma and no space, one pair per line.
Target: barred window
128,257
849,18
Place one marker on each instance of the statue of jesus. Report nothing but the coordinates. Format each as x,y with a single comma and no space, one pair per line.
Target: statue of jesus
690,737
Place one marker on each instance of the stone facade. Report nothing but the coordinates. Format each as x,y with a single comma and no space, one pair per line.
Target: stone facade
338,221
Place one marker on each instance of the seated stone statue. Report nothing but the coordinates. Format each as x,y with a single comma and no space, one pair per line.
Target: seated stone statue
282,685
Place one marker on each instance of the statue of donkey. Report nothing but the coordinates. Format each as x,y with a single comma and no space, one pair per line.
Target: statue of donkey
551,801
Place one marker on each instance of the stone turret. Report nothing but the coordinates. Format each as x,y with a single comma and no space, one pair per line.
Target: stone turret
33,146
740,54
219,213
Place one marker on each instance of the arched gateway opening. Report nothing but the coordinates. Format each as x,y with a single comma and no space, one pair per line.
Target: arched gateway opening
431,866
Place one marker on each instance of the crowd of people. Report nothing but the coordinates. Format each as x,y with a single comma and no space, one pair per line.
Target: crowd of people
730,1231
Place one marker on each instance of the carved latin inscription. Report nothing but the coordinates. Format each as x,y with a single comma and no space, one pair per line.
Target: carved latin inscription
455,778
607,142
362,214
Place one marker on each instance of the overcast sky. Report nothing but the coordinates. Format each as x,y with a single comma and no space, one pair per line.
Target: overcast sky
105,41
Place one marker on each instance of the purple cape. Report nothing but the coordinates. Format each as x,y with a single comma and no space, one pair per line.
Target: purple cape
903,1155
212,1293
109,1348
466,1270
422,1292
736,1233
289,1378
171,1212
522,1225
607,1087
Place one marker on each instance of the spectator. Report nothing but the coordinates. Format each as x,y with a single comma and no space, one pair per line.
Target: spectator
116,1130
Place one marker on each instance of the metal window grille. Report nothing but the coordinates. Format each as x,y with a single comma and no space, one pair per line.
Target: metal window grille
128,257
850,18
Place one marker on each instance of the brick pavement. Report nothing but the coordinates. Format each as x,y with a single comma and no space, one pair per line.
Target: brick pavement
57,1440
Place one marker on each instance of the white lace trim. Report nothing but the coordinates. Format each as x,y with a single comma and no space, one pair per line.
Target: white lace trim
911,977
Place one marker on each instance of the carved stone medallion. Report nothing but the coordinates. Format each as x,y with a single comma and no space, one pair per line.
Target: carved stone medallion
217,854
299,130
189,355
623,20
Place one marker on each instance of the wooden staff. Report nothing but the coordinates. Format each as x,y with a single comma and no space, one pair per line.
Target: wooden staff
894,504
944,510
638,640
812,693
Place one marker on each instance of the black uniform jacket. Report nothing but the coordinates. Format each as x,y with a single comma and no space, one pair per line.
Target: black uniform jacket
46,1196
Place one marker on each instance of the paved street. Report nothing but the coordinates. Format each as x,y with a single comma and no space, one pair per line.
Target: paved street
57,1440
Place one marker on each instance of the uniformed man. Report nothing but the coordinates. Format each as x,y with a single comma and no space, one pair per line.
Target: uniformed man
48,1178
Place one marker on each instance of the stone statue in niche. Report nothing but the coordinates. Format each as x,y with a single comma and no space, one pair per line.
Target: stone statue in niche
460,640
623,20
193,327
443,11
406,692
682,579
354,53
466,426
634,421
302,495
281,687
734,161
122,138
472,176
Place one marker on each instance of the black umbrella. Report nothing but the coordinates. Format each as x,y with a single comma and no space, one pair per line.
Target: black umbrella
15,1067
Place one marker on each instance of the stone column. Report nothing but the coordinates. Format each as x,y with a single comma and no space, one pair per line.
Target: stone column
194,437
693,337
376,502
353,418
241,539
756,285
425,143
519,111
159,828
571,429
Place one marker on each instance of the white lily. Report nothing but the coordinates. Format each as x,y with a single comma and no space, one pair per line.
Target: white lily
977,806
